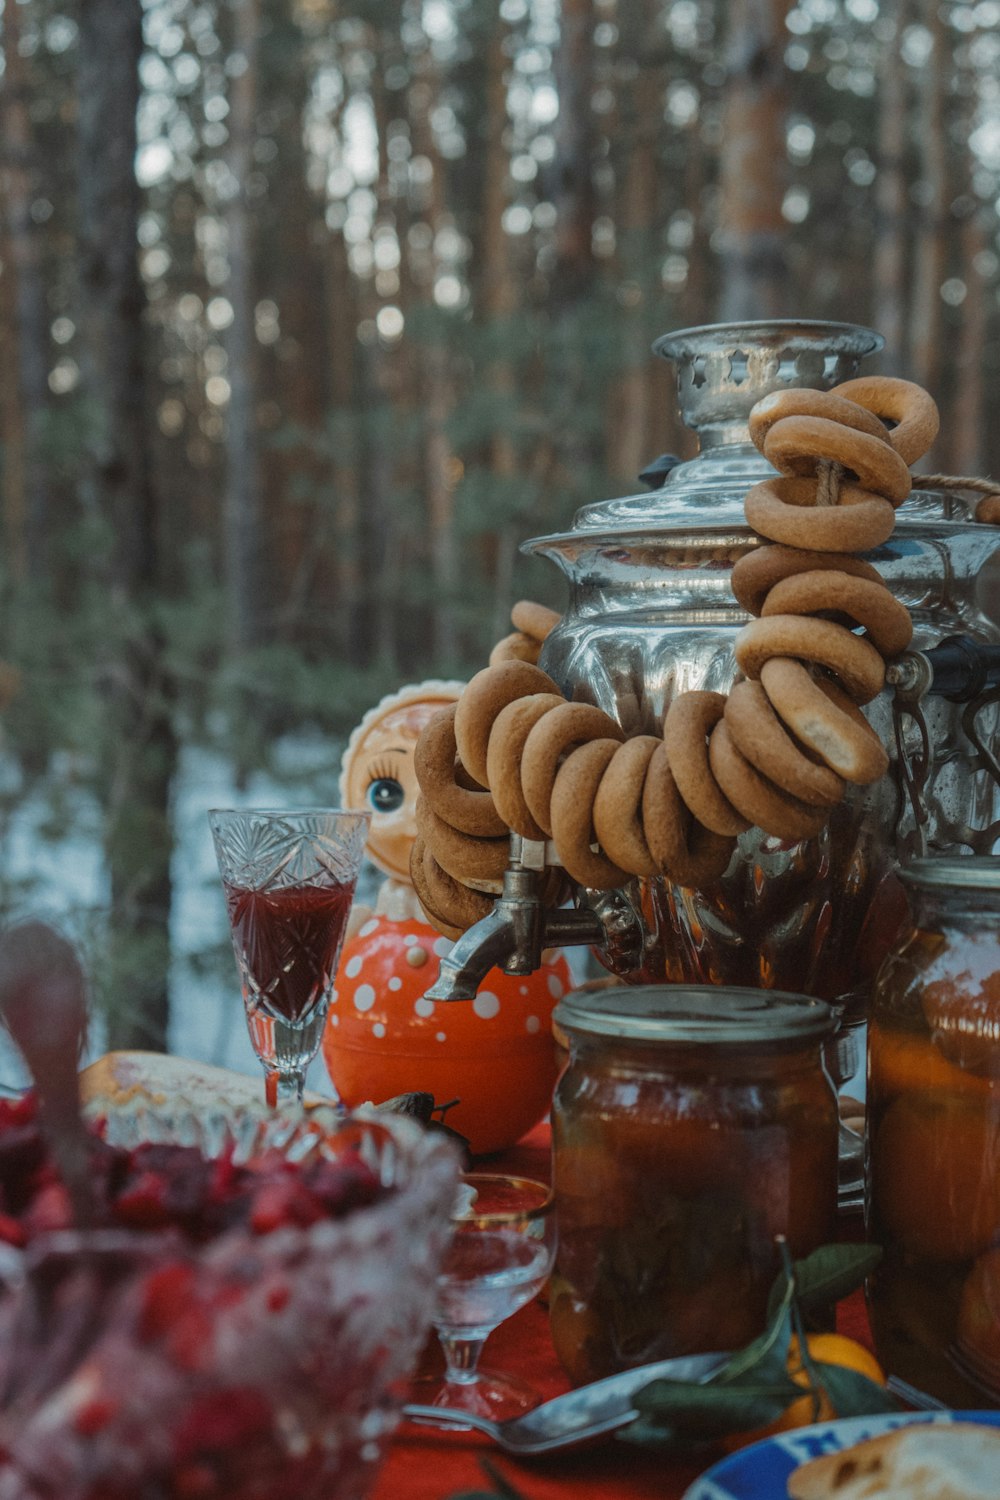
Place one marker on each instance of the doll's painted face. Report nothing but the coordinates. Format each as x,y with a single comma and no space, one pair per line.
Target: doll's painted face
378,775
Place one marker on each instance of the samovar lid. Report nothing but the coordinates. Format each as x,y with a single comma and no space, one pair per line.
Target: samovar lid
713,1015
968,872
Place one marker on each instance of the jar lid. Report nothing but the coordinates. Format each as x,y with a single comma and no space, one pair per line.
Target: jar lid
704,1013
967,872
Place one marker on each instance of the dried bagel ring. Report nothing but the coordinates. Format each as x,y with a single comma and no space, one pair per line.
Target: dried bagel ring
510,729
459,904
757,572
760,736
825,720
571,810
805,402
798,445
515,647
418,880
618,806
776,812
987,511
912,409
570,724
535,620
463,857
686,728
785,510
853,661
685,851
434,761
887,623
482,699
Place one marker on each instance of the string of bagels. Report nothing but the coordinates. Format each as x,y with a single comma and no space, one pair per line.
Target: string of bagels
777,752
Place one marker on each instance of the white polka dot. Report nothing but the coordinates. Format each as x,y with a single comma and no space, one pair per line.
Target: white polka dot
532,1024
523,988
353,967
441,1037
334,1020
378,1029
556,986
368,928
486,1004
409,938
334,996
423,1007
395,983
364,997
443,947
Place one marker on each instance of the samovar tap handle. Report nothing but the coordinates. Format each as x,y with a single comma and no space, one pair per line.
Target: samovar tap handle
958,669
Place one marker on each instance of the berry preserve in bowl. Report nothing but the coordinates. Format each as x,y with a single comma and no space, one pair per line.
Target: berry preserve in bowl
237,1323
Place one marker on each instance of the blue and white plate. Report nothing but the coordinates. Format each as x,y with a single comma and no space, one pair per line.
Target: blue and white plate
760,1472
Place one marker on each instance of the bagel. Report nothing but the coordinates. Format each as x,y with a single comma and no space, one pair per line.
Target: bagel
482,699
887,623
434,760
775,811
689,721
418,880
571,811
802,401
853,661
504,752
463,857
785,510
534,620
685,851
798,445
554,734
515,647
988,510
825,720
763,740
618,806
912,409
458,904
757,572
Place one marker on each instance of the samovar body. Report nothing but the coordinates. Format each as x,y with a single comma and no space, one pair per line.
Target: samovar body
651,614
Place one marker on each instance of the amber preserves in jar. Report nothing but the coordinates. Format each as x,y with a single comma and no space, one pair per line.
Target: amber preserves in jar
691,1127
933,1193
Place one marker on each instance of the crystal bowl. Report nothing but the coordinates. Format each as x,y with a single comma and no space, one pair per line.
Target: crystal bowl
254,1366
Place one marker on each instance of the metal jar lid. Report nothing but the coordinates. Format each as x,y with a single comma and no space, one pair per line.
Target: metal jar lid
968,872
712,1015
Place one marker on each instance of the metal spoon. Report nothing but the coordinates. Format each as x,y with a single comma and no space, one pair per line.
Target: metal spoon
42,1001
579,1416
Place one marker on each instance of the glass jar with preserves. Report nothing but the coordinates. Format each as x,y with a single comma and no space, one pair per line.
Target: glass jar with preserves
933,1137
692,1127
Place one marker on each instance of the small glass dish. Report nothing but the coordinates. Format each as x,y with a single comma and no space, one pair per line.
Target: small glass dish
254,1366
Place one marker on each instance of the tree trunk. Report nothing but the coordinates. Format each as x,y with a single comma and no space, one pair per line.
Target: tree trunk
966,453
26,480
572,189
242,502
891,203
930,254
138,756
752,165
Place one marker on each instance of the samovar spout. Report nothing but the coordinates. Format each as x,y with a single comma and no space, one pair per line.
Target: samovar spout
513,936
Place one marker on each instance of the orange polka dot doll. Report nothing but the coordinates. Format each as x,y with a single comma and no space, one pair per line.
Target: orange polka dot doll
494,1054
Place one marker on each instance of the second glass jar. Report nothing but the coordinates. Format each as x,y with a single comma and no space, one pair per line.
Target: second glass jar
692,1127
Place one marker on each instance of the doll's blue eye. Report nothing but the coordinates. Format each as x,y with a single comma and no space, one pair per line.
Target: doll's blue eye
386,794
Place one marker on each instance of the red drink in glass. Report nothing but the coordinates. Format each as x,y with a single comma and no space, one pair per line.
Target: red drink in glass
289,940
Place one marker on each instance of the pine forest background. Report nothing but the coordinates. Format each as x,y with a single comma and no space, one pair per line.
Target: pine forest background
311,311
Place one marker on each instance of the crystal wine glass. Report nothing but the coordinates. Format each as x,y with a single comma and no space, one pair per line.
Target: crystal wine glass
289,880
501,1252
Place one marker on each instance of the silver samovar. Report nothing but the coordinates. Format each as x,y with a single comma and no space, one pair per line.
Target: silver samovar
651,614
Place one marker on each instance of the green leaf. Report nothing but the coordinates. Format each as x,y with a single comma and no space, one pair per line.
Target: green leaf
706,1409
829,1273
852,1394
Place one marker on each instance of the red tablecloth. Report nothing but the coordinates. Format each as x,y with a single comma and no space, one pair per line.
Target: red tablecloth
424,1464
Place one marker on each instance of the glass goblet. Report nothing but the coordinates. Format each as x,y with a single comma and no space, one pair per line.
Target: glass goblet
499,1257
288,879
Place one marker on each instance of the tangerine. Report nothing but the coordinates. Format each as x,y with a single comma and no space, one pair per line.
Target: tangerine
826,1349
